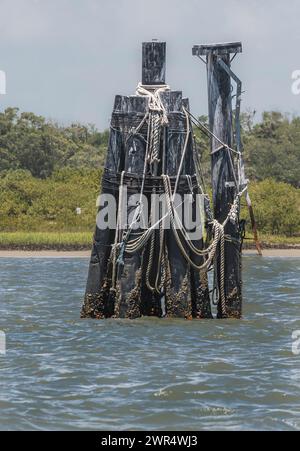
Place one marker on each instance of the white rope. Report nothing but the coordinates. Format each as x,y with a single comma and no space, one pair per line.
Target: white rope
139,209
156,105
157,118
138,243
222,272
186,141
155,102
212,248
117,238
223,145
218,236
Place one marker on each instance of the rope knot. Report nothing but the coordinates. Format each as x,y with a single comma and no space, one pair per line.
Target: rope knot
155,102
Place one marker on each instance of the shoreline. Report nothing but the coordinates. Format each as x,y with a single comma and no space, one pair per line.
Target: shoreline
275,252
44,254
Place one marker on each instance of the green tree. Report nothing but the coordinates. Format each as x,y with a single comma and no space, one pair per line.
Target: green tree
29,142
277,207
272,149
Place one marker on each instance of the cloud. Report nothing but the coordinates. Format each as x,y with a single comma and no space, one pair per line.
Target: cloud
2,82
23,20
68,58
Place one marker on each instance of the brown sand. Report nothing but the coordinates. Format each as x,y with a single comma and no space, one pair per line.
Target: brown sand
44,254
86,254
274,252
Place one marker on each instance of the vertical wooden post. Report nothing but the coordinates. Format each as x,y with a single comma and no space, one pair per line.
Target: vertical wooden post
96,303
154,63
201,305
187,291
131,287
178,290
153,74
128,293
223,177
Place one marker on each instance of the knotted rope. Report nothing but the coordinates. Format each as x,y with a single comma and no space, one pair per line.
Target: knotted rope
157,118
155,102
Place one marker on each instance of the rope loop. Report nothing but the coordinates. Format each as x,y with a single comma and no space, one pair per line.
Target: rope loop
155,102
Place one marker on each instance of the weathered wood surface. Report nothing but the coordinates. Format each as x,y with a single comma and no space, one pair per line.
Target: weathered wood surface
178,292
129,283
185,292
201,304
96,302
154,63
217,49
224,189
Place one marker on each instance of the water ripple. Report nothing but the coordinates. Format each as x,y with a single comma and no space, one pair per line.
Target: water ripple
64,373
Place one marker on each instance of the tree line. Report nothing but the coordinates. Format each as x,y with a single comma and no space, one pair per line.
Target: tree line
30,142
48,170
271,147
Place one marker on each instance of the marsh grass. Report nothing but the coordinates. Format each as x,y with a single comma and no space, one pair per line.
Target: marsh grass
83,240
272,241
46,240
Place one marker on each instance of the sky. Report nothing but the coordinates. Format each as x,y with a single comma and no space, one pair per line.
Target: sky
67,59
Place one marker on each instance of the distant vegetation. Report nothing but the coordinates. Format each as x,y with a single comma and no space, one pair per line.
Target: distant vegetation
271,147
41,147
47,171
31,204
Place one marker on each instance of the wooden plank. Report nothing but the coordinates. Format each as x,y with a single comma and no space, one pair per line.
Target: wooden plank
154,63
128,294
153,73
96,301
126,152
201,304
217,49
224,190
178,290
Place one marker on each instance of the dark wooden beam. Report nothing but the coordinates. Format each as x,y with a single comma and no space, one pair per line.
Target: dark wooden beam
185,293
154,63
97,300
178,289
129,284
223,178
217,49
201,305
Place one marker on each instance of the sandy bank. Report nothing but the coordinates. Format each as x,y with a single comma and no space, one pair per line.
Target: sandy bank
86,254
44,254
275,252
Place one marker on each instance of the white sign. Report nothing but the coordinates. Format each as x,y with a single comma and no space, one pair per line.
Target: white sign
296,83
296,342
2,83
2,343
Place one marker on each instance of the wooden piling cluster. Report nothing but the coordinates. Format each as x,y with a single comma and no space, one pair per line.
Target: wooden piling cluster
122,287
224,187
185,294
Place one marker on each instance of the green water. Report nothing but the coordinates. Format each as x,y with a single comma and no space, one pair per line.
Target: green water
61,372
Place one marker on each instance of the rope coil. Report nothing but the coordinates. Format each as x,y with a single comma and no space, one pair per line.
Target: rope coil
156,118
155,102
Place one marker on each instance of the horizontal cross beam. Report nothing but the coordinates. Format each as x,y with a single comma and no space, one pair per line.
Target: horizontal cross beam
217,49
